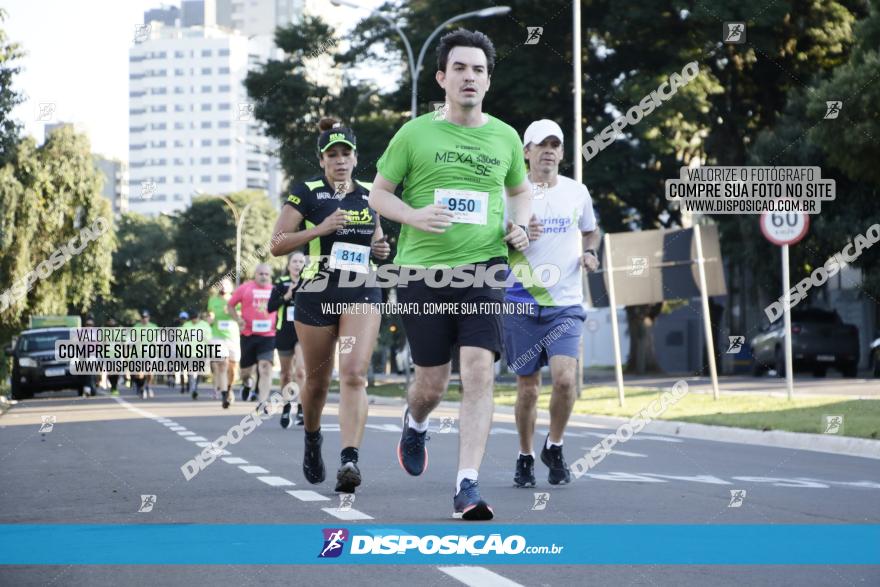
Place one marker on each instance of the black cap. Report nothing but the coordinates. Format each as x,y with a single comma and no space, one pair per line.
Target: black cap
338,134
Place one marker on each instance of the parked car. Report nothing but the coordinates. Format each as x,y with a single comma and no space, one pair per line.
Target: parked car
34,367
819,340
874,357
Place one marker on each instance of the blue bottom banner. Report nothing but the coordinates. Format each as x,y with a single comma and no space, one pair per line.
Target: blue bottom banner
576,544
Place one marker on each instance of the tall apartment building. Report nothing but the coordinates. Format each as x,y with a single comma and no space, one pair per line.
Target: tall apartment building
257,17
115,182
191,127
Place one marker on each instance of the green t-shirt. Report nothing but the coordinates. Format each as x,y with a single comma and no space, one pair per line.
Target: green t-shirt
142,325
207,331
427,155
224,327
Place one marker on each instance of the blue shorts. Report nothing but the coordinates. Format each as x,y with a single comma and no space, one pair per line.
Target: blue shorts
531,339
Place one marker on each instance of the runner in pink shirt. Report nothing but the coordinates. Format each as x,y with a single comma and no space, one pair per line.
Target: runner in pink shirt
257,327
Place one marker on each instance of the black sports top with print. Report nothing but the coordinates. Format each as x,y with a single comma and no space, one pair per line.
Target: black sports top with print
347,248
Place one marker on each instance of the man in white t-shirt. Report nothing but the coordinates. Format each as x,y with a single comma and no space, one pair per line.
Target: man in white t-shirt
550,333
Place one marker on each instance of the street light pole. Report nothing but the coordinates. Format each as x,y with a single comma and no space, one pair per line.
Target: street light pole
494,11
415,67
239,224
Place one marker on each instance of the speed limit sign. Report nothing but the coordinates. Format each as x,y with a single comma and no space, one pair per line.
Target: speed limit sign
784,228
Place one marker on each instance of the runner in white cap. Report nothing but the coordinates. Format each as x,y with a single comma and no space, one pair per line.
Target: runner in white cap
569,240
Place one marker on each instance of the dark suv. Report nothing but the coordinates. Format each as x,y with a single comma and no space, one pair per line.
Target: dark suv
819,340
34,367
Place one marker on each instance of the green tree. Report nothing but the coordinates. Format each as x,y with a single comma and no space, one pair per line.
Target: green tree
291,104
49,195
144,276
841,148
9,129
205,237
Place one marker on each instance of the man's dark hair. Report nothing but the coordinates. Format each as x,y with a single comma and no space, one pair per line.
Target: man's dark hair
465,38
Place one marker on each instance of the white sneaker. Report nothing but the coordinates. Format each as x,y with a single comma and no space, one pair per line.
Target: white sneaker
150,391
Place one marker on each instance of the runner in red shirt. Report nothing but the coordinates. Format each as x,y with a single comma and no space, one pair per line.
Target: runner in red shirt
257,327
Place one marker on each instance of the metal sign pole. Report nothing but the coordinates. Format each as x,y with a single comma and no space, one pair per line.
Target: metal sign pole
707,319
786,306
615,333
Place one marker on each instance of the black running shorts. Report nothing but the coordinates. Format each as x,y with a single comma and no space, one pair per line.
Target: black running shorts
256,348
433,336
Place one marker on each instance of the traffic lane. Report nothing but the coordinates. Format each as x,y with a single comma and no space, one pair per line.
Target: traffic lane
433,576
282,437
270,441
689,575
197,575
96,472
671,484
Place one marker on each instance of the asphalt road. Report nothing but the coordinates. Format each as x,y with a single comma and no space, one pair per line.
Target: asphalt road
103,453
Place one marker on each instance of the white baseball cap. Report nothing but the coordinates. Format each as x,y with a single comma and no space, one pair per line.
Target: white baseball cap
540,130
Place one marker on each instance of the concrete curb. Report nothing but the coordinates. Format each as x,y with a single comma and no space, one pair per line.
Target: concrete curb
825,443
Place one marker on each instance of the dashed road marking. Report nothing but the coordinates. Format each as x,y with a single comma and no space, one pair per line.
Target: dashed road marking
478,577
275,481
307,495
253,469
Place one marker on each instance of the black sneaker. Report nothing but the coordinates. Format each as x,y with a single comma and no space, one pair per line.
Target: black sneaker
254,396
195,394
525,471
468,505
245,393
285,416
225,398
348,477
411,452
298,421
552,457
313,464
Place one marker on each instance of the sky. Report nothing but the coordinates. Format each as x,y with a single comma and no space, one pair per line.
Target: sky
77,59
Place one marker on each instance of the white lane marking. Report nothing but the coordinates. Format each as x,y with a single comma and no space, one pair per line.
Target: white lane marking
276,481
781,482
252,469
710,479
303,495
636,437
196,438
866,484
307,495
619,476
622,453
186,433
347,515
385,427
177,428
478,577
502,431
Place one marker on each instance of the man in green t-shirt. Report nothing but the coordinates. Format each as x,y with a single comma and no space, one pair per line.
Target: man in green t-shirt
200,323
142,381
455,168
225,331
